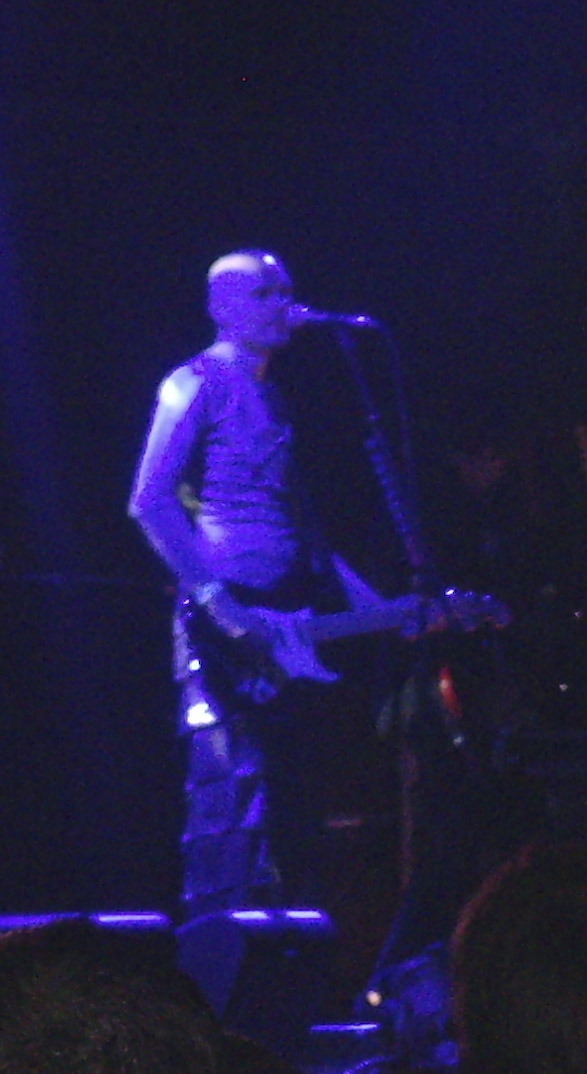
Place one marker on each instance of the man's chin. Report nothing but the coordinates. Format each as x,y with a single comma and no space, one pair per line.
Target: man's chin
271,340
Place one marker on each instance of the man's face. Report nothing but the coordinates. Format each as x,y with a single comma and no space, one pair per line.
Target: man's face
250,298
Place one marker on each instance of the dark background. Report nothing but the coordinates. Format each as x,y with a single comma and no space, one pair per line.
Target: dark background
422,161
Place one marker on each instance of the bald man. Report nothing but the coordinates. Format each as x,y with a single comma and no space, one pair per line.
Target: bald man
217,496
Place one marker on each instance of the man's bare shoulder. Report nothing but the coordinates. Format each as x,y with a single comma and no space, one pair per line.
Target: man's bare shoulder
205,374
181,385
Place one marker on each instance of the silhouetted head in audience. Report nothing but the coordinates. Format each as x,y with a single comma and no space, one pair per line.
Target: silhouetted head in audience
79,997
520,965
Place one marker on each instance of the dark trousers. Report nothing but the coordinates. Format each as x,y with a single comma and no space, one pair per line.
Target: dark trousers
255,806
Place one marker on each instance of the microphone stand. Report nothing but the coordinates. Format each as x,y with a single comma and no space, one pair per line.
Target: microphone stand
401,498
399,492
425,738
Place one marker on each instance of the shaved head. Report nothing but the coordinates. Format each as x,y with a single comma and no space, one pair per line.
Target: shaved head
249,295
240,262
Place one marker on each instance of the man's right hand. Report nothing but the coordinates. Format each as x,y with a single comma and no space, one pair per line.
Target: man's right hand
229,614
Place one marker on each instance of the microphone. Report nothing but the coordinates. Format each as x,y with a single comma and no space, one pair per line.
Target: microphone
298,316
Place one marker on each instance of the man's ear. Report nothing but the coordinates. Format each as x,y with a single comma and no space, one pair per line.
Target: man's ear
218,301
213,305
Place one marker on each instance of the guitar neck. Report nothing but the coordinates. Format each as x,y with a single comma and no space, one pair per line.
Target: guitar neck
364,621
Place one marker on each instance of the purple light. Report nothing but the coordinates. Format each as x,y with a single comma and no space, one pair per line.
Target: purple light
357,1028
305,915
131,919
138,919
249,915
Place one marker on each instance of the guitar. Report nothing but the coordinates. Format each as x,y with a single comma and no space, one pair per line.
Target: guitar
258,665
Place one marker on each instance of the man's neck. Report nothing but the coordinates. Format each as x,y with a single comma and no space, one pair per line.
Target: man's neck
253,359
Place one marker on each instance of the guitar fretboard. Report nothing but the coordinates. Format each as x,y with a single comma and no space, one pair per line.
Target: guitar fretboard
466,611
364,621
